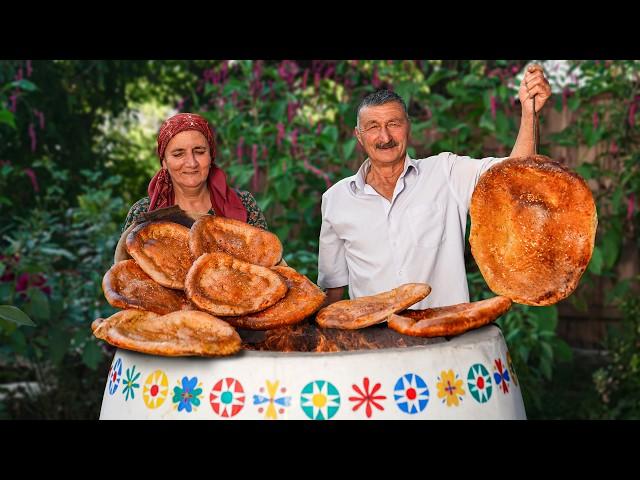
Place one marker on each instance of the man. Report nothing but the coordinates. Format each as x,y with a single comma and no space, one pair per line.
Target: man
401,220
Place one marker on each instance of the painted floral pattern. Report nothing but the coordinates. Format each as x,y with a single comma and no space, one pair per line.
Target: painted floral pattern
130,383
320,400
274,402
450,388
186,396
367,396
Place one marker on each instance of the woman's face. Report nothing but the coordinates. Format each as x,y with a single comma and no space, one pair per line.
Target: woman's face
188,159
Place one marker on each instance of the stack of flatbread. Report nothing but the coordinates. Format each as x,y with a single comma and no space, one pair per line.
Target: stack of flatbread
184,289
533,226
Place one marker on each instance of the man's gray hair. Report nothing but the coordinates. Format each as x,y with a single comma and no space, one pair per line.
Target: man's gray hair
380,97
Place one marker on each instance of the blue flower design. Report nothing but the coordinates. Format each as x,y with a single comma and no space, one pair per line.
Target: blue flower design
187,397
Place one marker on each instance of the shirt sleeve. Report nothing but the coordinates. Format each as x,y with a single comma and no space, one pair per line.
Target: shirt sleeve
332,263
463,174
141,206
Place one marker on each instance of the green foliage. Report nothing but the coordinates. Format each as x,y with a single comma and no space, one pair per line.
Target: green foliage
618,383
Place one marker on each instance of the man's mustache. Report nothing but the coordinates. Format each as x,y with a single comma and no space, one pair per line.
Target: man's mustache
390,144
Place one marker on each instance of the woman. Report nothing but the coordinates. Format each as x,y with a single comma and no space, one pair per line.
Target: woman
190,179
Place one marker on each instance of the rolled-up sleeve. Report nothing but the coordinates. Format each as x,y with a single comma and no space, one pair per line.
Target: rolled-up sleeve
332,263
464,172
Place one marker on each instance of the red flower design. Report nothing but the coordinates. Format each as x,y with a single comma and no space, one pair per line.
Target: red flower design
367,397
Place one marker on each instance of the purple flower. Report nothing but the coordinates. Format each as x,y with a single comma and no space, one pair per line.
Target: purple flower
40,116
19,75
329,71
257,69
32,176
319,128
316,80
292,107
225,70
494,106
304,78
32,135
13,99
316,171
376,79
613,149
22,283
595,120
632,114
280,135
29,69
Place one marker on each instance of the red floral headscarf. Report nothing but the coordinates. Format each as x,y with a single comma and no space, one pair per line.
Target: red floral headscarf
224,200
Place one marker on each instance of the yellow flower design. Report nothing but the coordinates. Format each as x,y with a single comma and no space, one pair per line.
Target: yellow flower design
450,388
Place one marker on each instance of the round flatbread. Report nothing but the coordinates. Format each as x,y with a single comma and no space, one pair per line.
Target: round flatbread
161,249
125,285
533,227
238,239
302,300
225,286
184,333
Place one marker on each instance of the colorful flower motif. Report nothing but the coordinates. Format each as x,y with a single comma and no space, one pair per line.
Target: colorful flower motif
187,397
320,400
115,373
155,389
512,370
368,397
501,376
281,401
130,383
450,388
411,394
227,397
479,382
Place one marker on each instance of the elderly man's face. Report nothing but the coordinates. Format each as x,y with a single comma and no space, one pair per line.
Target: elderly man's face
188,159
384,132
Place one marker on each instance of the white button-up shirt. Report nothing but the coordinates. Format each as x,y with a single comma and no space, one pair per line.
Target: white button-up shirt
374,245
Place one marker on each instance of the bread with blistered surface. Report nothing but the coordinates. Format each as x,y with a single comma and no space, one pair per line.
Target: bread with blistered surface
533,227
302,300
366,311
161,249
451,320
126,285
184,333
250,244
226,286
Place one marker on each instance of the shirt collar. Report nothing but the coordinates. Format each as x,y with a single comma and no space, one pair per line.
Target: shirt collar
358,182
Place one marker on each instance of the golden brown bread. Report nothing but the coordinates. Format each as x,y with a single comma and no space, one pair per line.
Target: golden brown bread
161,250
225,286
125,285
365,311
451,320
184,333
241,240
533,226
302,300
